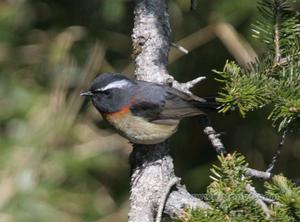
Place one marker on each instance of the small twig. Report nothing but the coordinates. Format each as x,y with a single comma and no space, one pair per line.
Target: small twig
213,137
192,83
164,198
251,190
258,174
278,152
215,140
268,200
179,47
220,148
185,87
193,41
277,43
262,197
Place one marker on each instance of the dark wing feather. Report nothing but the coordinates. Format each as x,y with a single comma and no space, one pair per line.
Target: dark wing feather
179,105
166,105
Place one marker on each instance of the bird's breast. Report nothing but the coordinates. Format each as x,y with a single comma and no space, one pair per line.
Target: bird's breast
137,129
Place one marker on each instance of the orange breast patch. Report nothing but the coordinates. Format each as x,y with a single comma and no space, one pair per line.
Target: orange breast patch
118,114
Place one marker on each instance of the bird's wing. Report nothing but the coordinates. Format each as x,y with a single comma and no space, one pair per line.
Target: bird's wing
148,101
179,105
166,105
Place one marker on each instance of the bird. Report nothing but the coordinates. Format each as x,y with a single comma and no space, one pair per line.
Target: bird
143,112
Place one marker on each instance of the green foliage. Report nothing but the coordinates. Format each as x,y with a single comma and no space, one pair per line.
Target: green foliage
286,193
275,79
227,193
278,24
230,200
243,89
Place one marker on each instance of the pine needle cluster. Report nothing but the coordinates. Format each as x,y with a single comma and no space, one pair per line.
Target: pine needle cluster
273,80
230,201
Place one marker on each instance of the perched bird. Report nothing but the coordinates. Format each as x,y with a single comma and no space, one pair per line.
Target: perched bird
143,112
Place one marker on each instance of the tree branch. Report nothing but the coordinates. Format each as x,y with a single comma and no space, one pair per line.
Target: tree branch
276,38
153,171
251,190
179,47
213,136
164,198
278,152
258,174
216,142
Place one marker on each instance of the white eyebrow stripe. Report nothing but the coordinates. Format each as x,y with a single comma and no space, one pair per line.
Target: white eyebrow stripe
117,84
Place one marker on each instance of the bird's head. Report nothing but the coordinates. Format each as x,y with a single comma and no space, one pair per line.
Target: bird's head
111,92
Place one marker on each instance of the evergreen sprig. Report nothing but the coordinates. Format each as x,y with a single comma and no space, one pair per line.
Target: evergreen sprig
286,193
243,89
277,26
227,193
275,78
230,202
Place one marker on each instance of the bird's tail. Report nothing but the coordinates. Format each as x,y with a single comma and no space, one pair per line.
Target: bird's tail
208,104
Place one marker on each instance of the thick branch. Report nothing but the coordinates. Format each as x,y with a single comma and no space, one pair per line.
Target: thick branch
164,198
152,172
151,44
152,169
150,39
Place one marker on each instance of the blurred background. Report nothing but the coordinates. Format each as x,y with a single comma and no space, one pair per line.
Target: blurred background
58,160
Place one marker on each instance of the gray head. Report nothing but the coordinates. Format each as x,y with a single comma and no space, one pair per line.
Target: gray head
111,92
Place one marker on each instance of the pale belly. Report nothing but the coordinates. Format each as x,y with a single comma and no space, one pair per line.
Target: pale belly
139,131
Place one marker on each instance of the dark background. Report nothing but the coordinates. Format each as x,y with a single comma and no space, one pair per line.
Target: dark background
58,160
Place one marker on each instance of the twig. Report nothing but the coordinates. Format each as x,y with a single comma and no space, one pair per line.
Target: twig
262,197
258,174
213,136
192,83
179,47
278,152
185,87
268,200
215,140
251,190
193,41
277,43
220,149
164,198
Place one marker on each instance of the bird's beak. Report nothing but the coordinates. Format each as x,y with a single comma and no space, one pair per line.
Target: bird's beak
87,93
